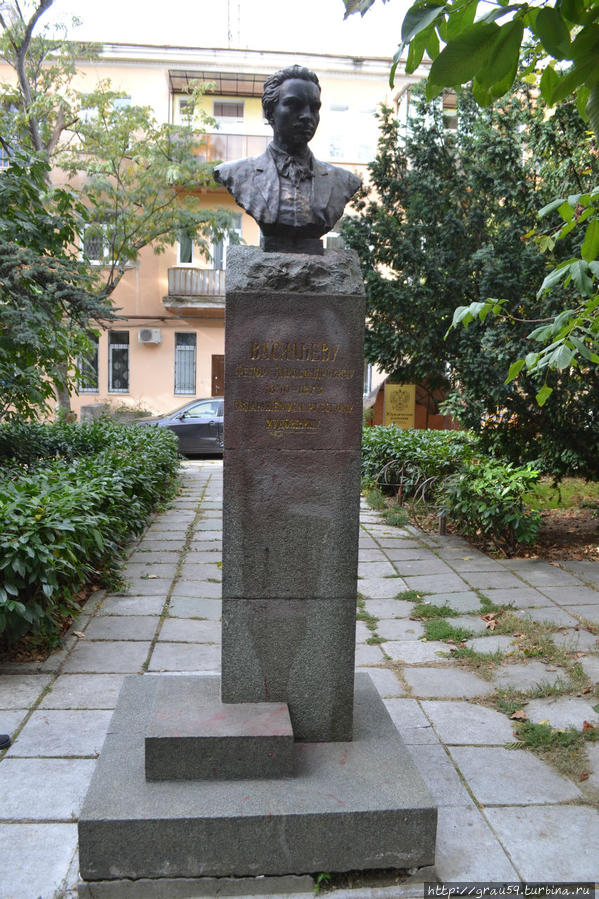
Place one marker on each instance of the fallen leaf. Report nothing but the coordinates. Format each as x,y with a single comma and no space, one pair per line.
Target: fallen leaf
584,776
520,715
491,625
580,655
587,690
518,634
586,725
79,634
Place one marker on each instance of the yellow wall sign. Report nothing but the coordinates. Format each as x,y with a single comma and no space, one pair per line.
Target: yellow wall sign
400,405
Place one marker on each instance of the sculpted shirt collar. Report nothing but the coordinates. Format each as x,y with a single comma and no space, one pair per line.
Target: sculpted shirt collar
297,167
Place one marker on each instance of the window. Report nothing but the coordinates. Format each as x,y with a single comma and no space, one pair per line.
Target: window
218,250
367,385
118,362
185,249
5,155
88,369
228,110
334,241
95,243
185,364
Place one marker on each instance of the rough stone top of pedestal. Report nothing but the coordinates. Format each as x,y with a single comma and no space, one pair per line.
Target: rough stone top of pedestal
251,269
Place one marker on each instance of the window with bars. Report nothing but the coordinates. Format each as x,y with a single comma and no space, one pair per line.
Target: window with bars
219,248
118,362
185,364
87,381
95,243
185,246
228,110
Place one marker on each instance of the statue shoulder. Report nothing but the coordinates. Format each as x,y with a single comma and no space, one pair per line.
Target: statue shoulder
229,172
343,176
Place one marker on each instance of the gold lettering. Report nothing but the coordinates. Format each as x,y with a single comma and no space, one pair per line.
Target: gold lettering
255,350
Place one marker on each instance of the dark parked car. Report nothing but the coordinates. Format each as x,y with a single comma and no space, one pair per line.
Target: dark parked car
198,425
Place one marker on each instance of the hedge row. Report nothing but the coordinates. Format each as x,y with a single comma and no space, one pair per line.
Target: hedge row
70,497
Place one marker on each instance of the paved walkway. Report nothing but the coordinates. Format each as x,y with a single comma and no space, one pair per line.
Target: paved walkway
504,815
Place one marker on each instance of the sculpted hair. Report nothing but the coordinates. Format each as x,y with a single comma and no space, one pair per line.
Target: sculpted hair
270,95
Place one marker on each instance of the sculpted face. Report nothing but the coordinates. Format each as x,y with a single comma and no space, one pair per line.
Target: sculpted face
296,115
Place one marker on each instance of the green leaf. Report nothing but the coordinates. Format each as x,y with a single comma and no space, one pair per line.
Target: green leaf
582,98
459,20
580,275
553,278
566,211
504,54
592,109
574,11
461,59
562,357
415,53
417,18
585,45
553,32
544,394
514,370
590,246
564,85
353,6
549,81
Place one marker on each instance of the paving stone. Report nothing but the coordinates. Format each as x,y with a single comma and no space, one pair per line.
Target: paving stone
562,711
370,570
162,544
209,524
468,851
369,655
521,598
493,580
362,632
122,627
423,567
592,751
197,589
381,588
212,556
590,666
478,562
185,657
385,681
445,682
549,614
10,719
393,543
202,571
511,777
152,558
527,675
190,631
116,657
371,555
439,775
588,572
493,643
416,651
206,543
186,607
412,724
147,586
137,605
405,553
591,613
472,623
436,583
572,596
62,732
400,629
366,542
35,859
20,691
43,789
576,639
539,573
137,569
551,843
83,691
458,722
464,601
388,608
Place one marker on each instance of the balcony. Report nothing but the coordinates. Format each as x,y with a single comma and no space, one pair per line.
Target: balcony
228,147
196,291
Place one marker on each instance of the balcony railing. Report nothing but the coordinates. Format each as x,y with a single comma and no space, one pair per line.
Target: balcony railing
184,281
231,146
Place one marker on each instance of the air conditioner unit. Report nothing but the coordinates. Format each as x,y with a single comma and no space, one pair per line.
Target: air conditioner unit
150,335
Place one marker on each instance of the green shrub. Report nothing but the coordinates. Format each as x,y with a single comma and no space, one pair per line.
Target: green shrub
408,457
70,496
484,500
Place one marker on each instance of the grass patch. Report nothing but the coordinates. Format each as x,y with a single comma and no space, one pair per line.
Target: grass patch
570,493
410,596
375,499
487,605
483,662
396,516
424,610
369,620
375,639
439,629
564,749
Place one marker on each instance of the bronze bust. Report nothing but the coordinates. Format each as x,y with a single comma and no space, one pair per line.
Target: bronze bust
294,197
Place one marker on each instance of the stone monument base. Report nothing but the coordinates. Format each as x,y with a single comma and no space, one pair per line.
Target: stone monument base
347,806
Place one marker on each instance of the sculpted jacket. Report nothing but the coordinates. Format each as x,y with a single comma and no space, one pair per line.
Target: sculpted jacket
254,184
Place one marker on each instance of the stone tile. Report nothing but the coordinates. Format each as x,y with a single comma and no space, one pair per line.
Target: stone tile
520,598
35,859
591,613
206,543
407,551
493,643
393,543
416,651
412,724
162,544
472,623
436,583
117,657
592,751
549,614
493,580
212,556
385,681
197,589
63,732
467,723
551,843
137,605
527,675
381,588
400,629
43,789
439,775
478,562
447,683
122,627
209,524
465,601
423,567
588,572
202,571
137,567
10,719
186,607
388,608
539,573
83,691
468,851
185,657
366,542
562,711
572,596
156,557
139,586
511,777
371,570
184,630
371,555
576,639
590,666
362,632
369,655
20,691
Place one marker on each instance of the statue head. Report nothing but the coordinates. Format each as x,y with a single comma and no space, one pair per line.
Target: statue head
291,105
